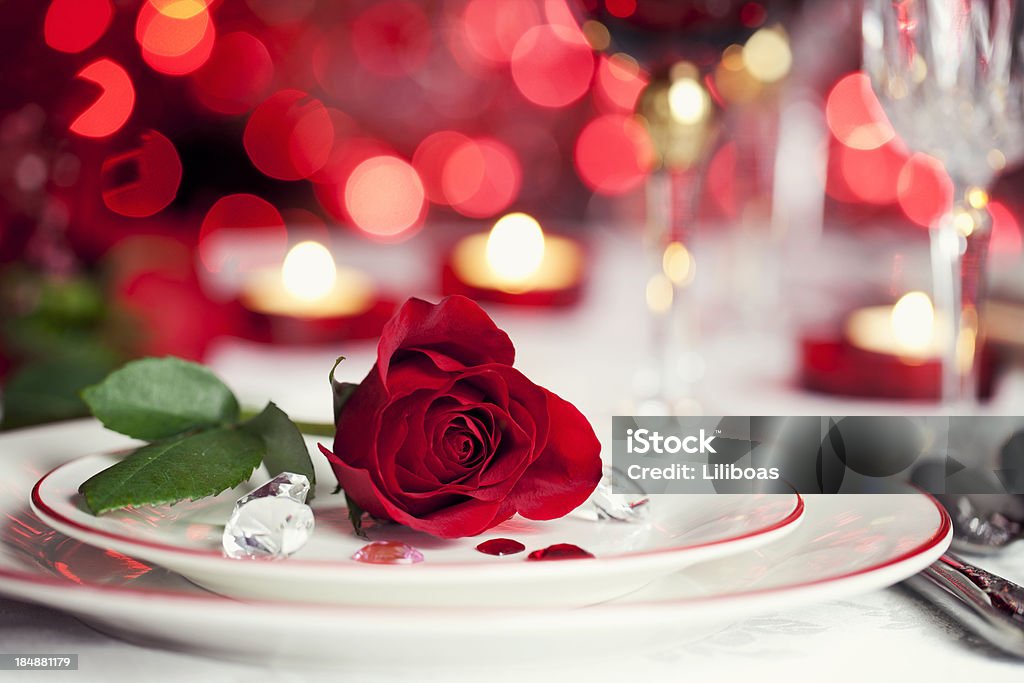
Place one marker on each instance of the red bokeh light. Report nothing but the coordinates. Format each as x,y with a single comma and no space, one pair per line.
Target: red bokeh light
391,38
276,12
329,181
558,13
721,180
871,175
384,198
143,180
752,14
238,213
492,27
74,25
552,66
176,36
619,83
924,189
613,154
112,108
430,158
620,8
289,136
481,178
237,75
854,115
1006,235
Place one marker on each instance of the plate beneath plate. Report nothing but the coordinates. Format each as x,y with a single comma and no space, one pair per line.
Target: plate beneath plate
186,538
846,545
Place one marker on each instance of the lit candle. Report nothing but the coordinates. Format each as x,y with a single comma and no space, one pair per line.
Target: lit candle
891,352
908,329
516,262
310,299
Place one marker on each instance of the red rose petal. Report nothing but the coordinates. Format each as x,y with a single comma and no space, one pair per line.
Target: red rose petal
456,326
568,469
357,485
358,426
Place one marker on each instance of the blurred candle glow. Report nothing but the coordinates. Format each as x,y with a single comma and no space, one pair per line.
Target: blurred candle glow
514,260
688,101
908,329
309,284
515,248
309,272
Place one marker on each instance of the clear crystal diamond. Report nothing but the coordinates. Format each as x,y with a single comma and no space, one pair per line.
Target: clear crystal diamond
633,505
271,522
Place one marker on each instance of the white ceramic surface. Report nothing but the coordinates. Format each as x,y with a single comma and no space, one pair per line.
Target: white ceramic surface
186,538
846,545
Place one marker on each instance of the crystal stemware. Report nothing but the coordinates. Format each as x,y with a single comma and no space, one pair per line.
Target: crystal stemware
949,76
679,43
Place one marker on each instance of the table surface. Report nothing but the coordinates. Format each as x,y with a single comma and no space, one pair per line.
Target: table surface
582,354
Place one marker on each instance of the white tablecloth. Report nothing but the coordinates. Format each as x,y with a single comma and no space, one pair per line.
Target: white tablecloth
588,354
883,636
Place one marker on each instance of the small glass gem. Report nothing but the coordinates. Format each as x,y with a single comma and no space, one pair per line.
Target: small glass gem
633,505
388,552
272,522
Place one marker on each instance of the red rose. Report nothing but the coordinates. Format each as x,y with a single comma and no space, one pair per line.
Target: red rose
445,436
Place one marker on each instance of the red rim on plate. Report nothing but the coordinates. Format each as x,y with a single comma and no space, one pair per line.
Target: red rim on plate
940,537
48,511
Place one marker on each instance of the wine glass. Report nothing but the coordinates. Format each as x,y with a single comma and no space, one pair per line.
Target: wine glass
679,43
949,76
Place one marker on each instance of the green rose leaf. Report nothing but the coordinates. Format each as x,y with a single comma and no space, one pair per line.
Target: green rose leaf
181,468
285,448
156,398
49,390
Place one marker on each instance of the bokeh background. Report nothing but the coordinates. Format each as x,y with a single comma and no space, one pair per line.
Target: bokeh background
144,143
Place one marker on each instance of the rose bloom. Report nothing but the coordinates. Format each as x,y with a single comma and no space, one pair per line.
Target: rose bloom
446,437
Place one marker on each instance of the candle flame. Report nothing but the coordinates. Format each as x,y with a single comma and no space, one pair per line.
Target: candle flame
913,322
688,101
515,247
309,272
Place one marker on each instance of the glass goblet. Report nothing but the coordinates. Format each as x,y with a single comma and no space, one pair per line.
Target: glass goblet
950,77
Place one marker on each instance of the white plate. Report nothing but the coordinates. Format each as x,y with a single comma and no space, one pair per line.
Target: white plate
186,538
846,545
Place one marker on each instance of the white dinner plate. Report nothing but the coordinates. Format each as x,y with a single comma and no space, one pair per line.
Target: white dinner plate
846,545
680,531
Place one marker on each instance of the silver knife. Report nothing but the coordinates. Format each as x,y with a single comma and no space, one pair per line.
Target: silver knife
989,605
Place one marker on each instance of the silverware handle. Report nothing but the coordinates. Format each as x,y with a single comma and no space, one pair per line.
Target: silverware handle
986,604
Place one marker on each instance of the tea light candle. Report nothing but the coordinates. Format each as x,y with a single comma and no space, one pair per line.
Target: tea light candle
516,263
891,352
907,330
309,299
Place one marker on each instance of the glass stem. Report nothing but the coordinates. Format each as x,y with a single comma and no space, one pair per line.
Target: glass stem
959,245
670,198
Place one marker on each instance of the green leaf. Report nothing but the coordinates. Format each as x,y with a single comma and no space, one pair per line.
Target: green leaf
182,468
286,449
46,391
155,398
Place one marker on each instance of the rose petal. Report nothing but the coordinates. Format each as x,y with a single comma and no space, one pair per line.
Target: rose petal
567,470
455,327
357,485
358,424
468,518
